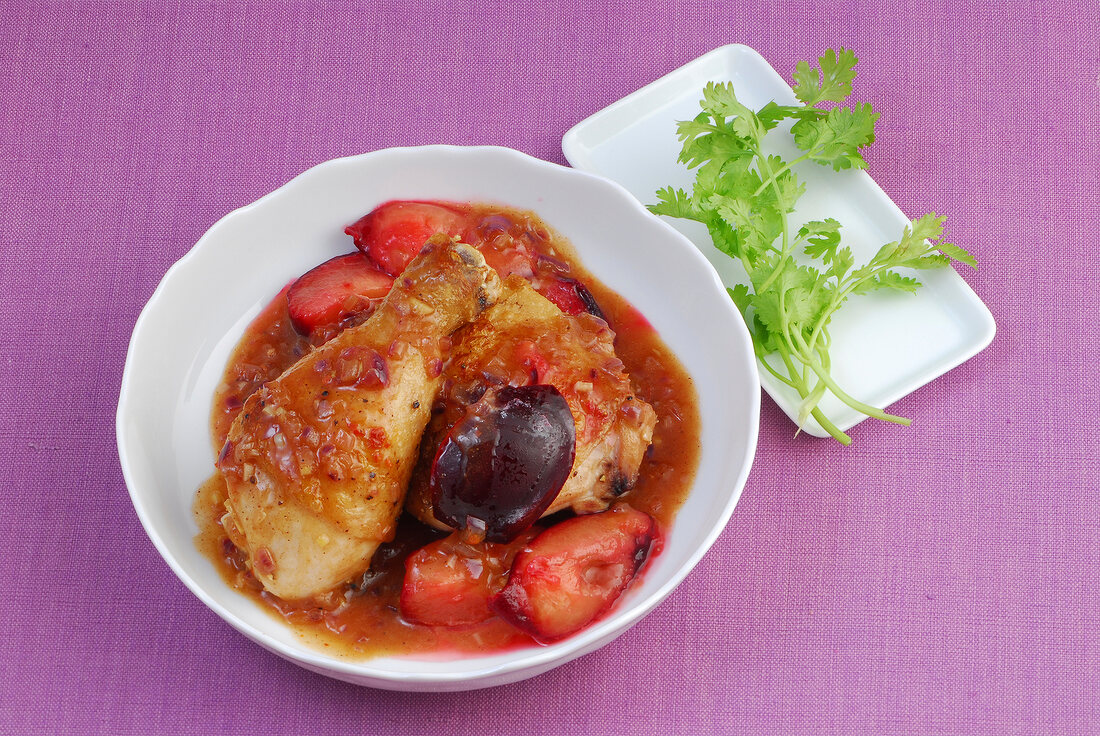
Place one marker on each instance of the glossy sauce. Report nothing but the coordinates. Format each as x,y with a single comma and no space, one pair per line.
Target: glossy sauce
364,620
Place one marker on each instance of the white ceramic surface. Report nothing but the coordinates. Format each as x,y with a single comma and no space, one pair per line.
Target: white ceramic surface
184,335
885,345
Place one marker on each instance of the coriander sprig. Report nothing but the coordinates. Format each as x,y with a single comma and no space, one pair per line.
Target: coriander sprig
745,196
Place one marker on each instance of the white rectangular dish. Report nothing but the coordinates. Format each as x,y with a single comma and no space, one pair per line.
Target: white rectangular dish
885,345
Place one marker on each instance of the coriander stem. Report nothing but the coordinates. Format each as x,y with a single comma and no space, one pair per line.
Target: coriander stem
815,394
822,420
844,396
826,315
745,263
771,177
779,376
774,372
795,382
834,431
762,163
842,292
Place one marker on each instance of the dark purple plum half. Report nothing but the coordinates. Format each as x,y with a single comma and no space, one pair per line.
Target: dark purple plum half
503,464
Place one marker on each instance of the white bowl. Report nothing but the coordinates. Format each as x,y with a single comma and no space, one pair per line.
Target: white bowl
183,338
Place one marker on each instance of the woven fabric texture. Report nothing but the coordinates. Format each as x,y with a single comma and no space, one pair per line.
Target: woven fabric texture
943,578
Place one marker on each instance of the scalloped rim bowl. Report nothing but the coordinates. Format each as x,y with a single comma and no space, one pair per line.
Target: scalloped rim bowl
183,338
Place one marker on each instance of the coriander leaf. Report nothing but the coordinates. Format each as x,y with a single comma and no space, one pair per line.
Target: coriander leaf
841,262
741,298
737,211
832,83
802,296
885,255
837,138
732,178
785,186
914,237
767,309
913,244
764,341
756,227
930,228
822,238
708,178
725,238
888,280
927,227
795,276
718,144
689,130
675,203
721,102
773,114
932,260
957,253
894,280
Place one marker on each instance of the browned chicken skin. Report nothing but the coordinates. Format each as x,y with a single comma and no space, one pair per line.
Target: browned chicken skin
317,462
525,339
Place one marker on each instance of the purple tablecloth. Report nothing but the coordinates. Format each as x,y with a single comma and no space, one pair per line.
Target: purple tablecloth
939,579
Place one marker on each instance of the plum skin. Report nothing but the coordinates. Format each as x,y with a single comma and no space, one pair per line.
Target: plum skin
503,464
574,572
